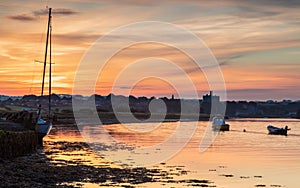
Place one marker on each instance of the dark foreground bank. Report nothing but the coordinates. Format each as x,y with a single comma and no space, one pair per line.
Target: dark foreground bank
16,140
57,165
36,170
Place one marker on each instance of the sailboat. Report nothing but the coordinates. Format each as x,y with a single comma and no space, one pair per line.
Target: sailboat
43,127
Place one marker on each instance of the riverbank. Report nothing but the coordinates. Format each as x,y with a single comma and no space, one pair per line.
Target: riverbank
67,161
16,140
38,170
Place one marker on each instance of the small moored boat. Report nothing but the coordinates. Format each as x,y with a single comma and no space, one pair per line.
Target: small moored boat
219,124
276,130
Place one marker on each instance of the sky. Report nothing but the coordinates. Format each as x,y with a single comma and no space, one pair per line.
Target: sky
256,44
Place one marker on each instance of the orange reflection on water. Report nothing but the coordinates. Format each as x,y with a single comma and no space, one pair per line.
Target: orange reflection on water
235,159
128,136
68,147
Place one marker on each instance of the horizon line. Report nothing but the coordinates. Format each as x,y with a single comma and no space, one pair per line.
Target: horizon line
270,100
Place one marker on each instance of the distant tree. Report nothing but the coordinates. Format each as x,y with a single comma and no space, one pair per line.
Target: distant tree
143,98
131,97
152,98
29,97
55,97
298,113
252,103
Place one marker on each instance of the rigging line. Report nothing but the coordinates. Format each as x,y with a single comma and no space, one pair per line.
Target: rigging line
50,54
46,2
53,55
41,42
32,78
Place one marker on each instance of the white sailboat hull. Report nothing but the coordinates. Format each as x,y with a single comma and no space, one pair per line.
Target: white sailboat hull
219,124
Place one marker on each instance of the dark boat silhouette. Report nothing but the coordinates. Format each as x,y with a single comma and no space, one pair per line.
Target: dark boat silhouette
277,131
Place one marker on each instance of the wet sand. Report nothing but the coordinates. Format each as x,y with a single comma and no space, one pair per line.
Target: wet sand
39,170
67,161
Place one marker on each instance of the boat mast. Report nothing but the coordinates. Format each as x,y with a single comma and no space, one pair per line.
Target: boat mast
44,71
45,59
50,65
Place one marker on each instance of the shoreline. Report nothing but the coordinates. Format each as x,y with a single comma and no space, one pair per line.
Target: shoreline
60,163
47,168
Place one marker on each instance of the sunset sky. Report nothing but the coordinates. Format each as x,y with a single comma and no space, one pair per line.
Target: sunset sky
256,43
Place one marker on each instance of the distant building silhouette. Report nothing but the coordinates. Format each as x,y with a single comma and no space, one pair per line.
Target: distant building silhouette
211,98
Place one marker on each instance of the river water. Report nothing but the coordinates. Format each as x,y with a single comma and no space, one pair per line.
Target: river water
245,156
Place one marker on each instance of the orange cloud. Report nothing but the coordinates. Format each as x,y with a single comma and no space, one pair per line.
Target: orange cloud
232,29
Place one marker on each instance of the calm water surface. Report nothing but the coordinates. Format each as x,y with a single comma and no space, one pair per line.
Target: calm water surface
235,159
